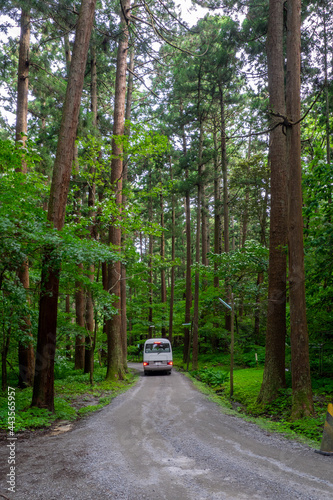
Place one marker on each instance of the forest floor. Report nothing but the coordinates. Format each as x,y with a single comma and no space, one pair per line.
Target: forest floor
164,439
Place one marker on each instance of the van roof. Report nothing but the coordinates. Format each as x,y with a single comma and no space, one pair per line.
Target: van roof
151,341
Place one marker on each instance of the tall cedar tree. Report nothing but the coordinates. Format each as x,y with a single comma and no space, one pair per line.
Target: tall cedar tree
188,293
274,372
123,292
43,391
302,404
26,355
115,365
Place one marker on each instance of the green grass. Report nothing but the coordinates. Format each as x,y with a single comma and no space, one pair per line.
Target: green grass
74,398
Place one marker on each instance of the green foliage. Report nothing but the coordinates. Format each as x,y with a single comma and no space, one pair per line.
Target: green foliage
322,385
134,352
73,391
248,356
190,90
212,377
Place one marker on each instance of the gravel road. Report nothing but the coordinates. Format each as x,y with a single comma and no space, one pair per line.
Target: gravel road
164,440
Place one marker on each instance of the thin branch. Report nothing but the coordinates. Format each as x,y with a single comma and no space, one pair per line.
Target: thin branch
287,123
253,134
142,81
176,18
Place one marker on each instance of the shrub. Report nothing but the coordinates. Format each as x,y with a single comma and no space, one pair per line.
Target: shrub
214,378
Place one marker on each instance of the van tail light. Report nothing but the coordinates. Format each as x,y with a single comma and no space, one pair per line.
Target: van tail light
145,363
170,363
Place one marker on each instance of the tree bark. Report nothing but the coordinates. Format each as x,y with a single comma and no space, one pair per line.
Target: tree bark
163,281
26,356
302,404
123,291
195,347
204,227
23,81
173,257
4,354
90,320
116,367
43,392
274,371
327,94
188,290
79,313
150,263
217,210
68,339
68,54
225,198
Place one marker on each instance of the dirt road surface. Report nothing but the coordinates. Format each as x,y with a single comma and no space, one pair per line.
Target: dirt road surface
164,440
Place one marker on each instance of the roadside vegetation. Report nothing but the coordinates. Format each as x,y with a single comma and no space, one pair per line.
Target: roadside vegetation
75,397
213,372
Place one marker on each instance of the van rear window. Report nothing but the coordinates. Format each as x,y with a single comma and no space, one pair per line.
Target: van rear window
158,347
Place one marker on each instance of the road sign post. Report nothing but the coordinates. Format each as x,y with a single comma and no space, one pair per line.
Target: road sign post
232,341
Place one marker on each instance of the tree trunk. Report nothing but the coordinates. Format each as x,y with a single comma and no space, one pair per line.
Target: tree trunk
43,393
300,367
173,257
23,81
68,339
274,372
217,210
204,227
68,54
150,264
124,203
327,94
247,197
79,312
163,282
225,176
4,354
256,333
93,89
116,367
225,198
260,277
197,259
217,237
188,291
90,322
90,327
26,357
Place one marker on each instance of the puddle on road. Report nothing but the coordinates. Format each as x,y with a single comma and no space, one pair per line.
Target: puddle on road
182,466
60,429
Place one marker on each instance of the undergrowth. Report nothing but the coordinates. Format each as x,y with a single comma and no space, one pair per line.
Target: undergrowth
74,398
214,372
212,377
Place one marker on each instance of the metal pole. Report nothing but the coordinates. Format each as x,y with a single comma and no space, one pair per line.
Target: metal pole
232,345
232,341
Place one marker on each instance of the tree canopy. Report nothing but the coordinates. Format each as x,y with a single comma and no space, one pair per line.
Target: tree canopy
161,191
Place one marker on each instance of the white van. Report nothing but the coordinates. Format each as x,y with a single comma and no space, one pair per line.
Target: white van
157,356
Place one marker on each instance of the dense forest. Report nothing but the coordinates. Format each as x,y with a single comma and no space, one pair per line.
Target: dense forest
153,163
